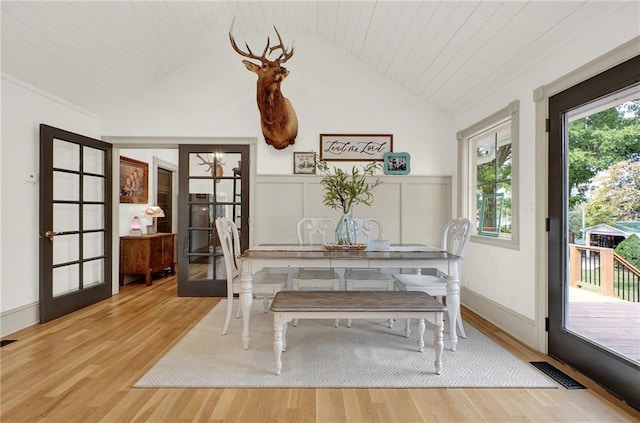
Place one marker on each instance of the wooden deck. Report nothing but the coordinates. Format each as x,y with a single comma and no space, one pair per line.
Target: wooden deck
609,321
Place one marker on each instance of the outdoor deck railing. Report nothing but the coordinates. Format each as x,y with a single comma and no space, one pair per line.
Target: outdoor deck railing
604,271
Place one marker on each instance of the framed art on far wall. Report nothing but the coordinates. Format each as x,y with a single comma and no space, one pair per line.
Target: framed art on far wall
304,163
397,164
134,181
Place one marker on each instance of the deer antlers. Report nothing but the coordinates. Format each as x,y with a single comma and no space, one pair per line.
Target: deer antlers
284,56
205,162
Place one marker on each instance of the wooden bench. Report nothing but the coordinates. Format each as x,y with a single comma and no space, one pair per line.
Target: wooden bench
289,305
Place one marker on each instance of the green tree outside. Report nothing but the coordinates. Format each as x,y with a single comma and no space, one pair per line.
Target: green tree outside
597,142
617,197
629,249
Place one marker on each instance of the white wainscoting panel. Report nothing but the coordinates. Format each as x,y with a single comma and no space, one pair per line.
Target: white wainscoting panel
279,205
411,208
426,208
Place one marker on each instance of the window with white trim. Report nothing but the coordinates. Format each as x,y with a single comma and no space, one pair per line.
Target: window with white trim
487,177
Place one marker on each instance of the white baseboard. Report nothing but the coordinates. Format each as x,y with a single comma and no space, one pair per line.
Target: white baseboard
520,327
19,318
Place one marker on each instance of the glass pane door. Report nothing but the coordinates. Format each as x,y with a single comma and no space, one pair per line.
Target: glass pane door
75,243
603,302
594,205
213,183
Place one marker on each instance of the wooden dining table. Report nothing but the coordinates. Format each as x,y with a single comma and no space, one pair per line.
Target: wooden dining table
397,256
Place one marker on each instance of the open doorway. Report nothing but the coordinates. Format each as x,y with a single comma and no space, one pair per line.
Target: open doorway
164,199
150,250
165,169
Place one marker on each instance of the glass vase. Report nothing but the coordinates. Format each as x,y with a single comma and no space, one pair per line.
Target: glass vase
346,231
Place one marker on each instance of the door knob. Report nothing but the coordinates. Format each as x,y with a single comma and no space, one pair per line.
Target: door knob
51,234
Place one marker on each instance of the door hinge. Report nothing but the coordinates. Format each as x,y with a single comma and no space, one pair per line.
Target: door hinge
547,224
547,125
546,324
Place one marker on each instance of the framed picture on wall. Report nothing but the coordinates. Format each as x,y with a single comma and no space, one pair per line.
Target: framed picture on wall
355,147
397,164
134,181
304,163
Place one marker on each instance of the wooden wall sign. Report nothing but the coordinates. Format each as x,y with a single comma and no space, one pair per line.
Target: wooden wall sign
355,147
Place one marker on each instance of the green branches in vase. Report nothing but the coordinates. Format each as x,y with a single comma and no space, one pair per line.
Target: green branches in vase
345,189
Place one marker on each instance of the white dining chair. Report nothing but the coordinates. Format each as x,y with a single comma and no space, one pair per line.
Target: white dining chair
455,235
365,279
315,230
367,230
265,284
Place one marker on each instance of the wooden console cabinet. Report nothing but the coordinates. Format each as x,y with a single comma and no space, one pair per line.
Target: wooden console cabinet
146,254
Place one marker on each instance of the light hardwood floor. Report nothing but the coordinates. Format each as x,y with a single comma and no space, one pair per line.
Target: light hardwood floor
81,368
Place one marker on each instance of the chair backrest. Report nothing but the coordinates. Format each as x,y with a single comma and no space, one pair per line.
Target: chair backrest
230,243
367,228
455,235
315,230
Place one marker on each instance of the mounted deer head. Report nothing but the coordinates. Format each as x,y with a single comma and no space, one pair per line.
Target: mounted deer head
277,117
215,163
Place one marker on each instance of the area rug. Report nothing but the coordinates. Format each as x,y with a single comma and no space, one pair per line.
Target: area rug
319,355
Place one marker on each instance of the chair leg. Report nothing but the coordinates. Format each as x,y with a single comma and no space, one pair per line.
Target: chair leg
463,334
391,323
228,319
265,304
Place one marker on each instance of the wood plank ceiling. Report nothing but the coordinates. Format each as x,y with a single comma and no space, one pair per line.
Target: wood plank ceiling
94,53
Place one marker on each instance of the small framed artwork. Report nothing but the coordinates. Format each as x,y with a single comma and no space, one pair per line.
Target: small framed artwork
304,163
355,147
134,181
151,229
491,214
397,164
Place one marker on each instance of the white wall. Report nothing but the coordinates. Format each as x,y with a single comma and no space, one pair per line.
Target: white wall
128,211
23,110
330,91
509,281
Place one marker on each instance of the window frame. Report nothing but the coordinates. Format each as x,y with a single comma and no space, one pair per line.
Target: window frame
467,175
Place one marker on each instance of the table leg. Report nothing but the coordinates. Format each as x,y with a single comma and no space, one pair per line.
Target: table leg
246,300
438,343
453,305
421,328
278,339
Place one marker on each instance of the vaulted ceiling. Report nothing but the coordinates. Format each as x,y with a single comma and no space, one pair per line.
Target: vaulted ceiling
95,53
